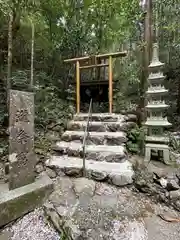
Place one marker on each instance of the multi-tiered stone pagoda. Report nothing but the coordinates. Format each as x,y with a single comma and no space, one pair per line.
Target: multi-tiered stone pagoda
157,122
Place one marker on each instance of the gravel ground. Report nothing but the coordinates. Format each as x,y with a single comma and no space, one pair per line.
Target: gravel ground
32,226
130,230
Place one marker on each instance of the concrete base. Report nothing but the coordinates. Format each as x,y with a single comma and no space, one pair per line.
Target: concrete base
157,147
17,202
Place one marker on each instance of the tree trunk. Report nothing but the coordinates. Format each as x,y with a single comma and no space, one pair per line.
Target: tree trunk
178,98
146,55
9,67
32,57
149,30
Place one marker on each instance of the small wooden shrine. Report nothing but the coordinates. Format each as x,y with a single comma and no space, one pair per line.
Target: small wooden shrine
97,62
156,123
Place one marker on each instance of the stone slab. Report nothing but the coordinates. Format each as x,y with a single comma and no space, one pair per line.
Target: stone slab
22,160
84,186
98,138
15,203
113,170
100,117
94,152
64,162
110,171
100,126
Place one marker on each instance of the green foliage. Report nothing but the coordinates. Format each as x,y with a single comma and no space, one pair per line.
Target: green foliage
42,144
3,147
136,139
174,144
20,80
65,29
64,236
50,108
126,84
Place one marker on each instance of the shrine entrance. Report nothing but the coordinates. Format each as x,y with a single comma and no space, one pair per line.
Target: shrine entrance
100,90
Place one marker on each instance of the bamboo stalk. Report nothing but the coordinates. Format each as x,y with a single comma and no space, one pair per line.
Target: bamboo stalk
10,46
110,85
77,87
86,132
32,57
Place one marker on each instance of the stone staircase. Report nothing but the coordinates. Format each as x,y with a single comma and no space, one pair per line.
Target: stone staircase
106,155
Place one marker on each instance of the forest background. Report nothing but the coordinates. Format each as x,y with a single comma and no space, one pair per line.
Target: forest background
40,34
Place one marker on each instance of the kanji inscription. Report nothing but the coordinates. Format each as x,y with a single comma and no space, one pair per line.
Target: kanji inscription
22,115
21,140
22,157
22,137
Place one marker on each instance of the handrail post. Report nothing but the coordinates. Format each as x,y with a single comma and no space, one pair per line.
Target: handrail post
85,137
77,87
110,85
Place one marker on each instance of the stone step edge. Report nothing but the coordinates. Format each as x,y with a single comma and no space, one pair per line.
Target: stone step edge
105,126
63,146
96,122
95,152
113,117
96,134
119,174
98,138
120,133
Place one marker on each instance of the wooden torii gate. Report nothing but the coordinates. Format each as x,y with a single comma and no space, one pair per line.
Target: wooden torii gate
95,63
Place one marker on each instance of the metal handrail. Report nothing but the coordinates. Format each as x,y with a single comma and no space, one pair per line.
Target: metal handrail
86,133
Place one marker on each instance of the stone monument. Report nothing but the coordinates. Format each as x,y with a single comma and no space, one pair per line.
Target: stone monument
24,192
22,159
156,138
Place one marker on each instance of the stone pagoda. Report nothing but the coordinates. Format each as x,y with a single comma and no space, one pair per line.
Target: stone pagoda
156,122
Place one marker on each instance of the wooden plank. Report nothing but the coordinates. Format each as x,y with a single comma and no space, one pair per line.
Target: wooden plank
110,85
102,56
113,55
93,66
77,87
76,59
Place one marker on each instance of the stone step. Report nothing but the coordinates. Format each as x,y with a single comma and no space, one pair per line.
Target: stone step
101,126
105,117
98,138
119,174
95,152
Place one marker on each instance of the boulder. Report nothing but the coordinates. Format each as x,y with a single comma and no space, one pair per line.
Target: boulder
98,175
174,195
172,185
120,179
163,182
39,168
51,173
76,172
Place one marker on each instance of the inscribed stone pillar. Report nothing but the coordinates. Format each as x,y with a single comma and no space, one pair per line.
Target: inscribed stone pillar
21,139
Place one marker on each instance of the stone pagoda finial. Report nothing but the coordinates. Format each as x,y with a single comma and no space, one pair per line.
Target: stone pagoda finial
155,57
